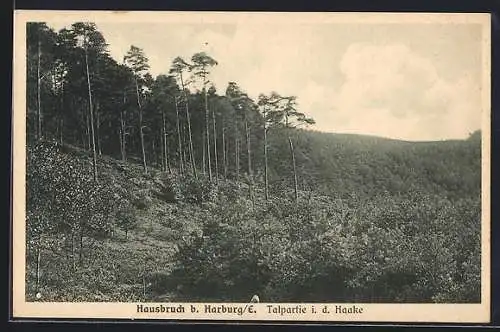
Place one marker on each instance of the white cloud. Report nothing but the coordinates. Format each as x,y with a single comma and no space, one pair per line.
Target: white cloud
391,91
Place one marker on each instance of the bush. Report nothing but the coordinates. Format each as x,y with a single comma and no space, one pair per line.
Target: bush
142,200
170,189
126,218
160,282
198,190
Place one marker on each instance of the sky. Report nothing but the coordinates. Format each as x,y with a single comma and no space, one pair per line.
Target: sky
405,81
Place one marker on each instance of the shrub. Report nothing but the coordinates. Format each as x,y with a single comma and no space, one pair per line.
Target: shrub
170,189
142,200
160,282
126,218
198,190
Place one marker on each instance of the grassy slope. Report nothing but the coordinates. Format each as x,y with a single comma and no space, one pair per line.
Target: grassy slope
337,165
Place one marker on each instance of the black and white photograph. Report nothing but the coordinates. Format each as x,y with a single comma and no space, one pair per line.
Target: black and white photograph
271,166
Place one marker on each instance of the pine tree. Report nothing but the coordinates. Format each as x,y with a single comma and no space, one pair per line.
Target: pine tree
179,66
138,63
200,67
93,44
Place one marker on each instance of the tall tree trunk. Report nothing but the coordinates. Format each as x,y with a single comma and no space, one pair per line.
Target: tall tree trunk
61,113
184,145
154,160
249,161
79,132
207,131
98,127
162,152
215,148
91,116
120,138
224,157
165,150
58,135
266,181
39,92
294,170
188,118
84,143
123,140
61,133
89,139
237,152
191,149
179,139
141,133
123,132
204,156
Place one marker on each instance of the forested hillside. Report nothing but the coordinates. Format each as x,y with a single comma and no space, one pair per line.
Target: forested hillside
144,188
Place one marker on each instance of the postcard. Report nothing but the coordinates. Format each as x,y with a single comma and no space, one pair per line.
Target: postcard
251,166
